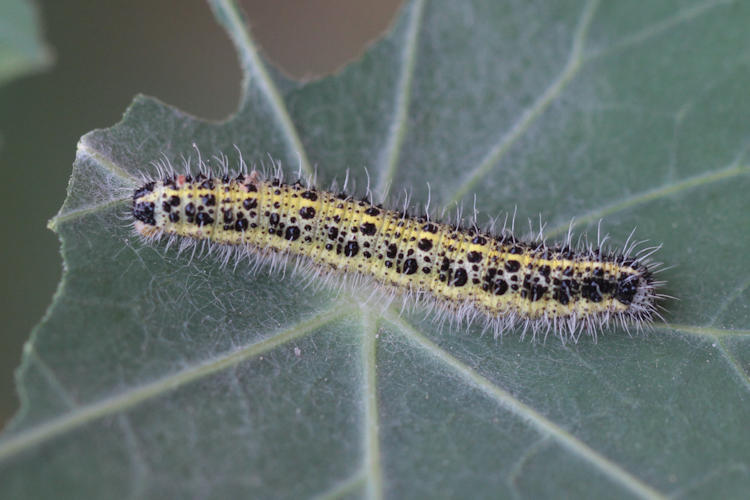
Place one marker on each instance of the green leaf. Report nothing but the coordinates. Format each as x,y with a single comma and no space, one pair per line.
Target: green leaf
160,375
21,49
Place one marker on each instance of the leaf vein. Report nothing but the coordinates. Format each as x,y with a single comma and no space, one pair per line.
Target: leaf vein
660,27
542,424
702,330
538,107
651,195
733,362
228,13
730,298
35,435
55,222
388,162
371,425
107,163
50,376
343,488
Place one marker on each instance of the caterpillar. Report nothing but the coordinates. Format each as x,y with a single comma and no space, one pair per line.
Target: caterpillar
461,273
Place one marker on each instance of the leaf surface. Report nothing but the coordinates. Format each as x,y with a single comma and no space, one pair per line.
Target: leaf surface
156,374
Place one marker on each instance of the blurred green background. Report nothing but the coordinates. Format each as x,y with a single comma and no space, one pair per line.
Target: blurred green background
104,54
